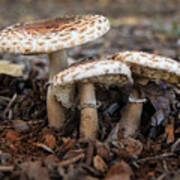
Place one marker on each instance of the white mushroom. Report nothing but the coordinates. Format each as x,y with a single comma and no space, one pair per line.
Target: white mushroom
86,74
149,66
51,36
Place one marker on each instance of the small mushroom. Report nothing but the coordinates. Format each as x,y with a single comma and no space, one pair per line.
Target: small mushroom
86,74
51,36
150,66
144,67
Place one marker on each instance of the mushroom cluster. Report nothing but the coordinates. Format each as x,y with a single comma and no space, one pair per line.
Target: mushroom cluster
85,74
53,36
150,66
115,69
144,66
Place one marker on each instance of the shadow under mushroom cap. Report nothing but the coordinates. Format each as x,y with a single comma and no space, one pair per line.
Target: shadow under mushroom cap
102,72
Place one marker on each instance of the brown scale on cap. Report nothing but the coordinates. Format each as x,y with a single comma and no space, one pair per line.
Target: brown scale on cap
92,71
150,65
85,75
46,36
144,66
50,37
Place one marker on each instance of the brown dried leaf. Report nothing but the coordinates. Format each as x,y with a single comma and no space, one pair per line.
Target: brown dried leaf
90,178
43,146
133,146
120,170
72,160
170,131
103,151
12,136
50,141
99,164
8,68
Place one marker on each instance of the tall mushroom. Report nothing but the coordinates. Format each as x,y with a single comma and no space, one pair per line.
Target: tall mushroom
86,74
51,36
148,66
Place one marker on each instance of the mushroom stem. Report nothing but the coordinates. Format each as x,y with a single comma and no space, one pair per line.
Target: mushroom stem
131,115
58,62
89,117
55,110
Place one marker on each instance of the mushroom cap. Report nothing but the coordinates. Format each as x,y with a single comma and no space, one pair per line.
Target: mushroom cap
103,72
46,36
150,65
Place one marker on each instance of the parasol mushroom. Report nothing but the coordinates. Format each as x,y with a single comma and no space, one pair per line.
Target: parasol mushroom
86,74
148,66
50,37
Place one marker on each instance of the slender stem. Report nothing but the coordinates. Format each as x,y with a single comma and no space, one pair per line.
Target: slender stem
55,110
131,115
57,62
89,117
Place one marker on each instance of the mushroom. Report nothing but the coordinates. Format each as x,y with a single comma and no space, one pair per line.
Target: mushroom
144,66
51,36
150,66
86,74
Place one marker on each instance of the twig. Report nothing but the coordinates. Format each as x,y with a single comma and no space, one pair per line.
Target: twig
43,146
71,160
10,104
161,156
7,168
175,145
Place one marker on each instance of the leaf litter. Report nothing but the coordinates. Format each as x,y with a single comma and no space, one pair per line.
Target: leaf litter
31,150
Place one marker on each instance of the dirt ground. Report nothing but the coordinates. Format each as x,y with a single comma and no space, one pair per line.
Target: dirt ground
29,149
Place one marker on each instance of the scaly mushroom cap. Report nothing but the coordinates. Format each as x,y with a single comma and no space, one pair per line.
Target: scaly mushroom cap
93,71
46,36
150,65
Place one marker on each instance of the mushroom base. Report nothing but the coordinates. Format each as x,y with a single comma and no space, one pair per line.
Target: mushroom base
131,116
56,116
55,110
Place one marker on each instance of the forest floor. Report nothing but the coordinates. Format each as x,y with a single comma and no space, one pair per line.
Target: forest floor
29,149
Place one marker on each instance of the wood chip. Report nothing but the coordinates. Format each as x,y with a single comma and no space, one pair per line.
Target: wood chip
170,131
67,162
6,168
99,164
43,146
120,170
50,141
11,69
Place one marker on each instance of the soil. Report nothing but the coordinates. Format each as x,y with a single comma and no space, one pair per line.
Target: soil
29,149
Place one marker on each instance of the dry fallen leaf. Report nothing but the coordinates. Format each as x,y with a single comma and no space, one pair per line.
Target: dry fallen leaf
12,136
44,147
99,164
133,146
11,69
170,131
120,170
50,141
